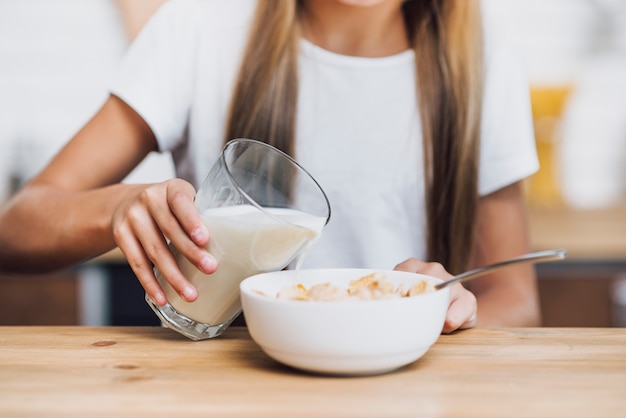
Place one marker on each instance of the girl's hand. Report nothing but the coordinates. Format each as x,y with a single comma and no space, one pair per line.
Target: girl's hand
462,309
145,220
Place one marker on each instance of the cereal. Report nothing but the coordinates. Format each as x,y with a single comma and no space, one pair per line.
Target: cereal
370,287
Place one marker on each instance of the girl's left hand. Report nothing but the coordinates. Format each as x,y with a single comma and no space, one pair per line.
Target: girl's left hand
462,309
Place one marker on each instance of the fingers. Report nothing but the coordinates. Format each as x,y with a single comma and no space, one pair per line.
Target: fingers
429,269
461,310
180,199
141,226
411,265
462,307
142,267
179,220
156,249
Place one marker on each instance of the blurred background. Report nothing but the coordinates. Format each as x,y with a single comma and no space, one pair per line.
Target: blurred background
57,59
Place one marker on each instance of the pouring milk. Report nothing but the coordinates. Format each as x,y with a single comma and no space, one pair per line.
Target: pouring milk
245,241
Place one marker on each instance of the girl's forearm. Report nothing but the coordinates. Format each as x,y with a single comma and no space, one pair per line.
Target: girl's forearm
44,229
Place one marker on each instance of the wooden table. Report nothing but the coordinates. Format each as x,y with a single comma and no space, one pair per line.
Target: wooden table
152,371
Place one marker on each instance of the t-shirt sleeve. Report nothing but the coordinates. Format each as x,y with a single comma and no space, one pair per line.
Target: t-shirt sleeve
508,153
156,74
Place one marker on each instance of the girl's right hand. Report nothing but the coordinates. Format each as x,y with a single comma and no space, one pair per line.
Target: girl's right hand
144,221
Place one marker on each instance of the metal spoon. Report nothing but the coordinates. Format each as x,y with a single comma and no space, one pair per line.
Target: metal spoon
537,257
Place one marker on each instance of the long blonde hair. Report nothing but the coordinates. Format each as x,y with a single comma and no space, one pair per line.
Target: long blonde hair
446,36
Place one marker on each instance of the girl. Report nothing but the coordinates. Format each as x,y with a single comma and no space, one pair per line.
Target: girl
418,130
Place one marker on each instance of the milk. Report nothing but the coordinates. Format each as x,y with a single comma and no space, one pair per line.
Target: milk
245,241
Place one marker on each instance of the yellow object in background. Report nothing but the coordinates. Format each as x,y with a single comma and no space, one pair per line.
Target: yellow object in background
547,107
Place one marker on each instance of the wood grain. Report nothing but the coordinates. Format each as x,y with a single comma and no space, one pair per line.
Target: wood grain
152,371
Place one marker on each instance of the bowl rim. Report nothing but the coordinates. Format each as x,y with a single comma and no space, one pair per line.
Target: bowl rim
246,290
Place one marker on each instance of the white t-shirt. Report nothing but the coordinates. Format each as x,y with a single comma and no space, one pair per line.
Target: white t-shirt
358,127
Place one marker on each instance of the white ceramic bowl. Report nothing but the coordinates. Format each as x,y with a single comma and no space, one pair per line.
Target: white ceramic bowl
352,337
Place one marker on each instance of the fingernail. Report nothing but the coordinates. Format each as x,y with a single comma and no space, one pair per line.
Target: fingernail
207,264
199,235
189,293
160,299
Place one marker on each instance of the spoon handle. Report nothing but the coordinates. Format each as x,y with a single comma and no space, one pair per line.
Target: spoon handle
537,257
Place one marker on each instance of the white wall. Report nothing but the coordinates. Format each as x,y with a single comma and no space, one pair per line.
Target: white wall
56,60
552,36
